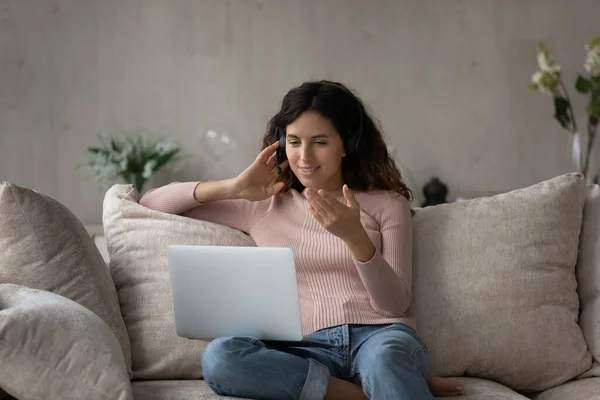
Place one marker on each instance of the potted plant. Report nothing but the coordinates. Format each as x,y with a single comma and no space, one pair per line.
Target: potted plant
130,157
548,80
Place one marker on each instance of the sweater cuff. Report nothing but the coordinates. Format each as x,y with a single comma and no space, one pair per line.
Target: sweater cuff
366,264
194,185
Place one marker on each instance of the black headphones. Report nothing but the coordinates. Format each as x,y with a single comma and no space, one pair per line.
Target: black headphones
352,139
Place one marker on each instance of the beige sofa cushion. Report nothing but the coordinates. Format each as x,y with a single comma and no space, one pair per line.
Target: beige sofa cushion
44,246
55,349
495,289
478,389
137,240
585,389
588,276
481,389
175,390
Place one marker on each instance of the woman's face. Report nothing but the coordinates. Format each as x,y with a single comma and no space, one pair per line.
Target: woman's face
315,151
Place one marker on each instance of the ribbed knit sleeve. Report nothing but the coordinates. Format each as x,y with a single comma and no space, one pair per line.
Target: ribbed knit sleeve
387,276
178,198
174,198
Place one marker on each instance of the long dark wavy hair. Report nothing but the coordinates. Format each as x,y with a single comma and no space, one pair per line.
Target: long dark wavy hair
372,167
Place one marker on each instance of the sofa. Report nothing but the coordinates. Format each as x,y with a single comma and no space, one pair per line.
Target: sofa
505,294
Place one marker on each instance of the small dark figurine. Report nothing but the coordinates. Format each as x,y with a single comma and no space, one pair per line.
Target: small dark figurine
435,192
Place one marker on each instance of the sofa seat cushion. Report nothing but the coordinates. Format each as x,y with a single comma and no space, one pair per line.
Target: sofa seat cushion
174,390
478,389
137,240
482,389
495,293
584,389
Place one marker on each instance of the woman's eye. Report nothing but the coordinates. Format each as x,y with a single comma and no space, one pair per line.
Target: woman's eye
296,143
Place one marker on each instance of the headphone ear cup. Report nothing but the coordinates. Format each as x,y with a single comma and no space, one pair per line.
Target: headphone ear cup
281,148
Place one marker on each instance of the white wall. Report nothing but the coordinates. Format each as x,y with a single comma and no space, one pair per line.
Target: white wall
447,79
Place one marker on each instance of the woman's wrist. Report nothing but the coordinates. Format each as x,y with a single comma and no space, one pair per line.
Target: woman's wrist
216,190
361,246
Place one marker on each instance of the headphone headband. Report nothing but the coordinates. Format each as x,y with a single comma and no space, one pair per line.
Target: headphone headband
359,105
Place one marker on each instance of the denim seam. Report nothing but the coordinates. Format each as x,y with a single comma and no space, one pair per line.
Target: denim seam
347,348
223,391
418,350
253,340
364,385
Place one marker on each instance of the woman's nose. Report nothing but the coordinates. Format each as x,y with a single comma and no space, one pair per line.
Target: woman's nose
306,153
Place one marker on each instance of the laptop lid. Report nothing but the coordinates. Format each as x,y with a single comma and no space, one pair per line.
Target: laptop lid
234,291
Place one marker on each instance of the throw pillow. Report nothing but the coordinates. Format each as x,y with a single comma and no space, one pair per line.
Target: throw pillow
495,289
588,276
52,348
44,246
137,240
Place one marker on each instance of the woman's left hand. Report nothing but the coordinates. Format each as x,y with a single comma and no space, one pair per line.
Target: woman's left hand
343,220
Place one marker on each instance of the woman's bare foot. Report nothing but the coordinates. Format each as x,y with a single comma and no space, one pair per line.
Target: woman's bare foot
445,387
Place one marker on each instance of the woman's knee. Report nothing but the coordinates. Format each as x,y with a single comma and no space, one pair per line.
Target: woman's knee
394,362
222,355
392,349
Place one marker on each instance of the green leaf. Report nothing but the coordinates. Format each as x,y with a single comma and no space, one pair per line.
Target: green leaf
165,158
593,109
583,85
94,150
561,111
594,41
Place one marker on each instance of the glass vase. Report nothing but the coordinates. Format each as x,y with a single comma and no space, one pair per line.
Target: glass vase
575,153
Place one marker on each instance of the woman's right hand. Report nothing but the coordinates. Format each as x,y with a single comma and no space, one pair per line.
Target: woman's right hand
258,181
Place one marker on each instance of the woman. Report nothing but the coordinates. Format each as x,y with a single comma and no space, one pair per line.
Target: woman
341,205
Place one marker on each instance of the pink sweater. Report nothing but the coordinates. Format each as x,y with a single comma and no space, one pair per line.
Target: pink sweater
333,288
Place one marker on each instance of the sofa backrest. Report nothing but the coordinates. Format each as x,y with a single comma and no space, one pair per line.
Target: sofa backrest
495,292
137,240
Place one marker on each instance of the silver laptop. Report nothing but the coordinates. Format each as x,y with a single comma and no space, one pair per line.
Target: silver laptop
234,291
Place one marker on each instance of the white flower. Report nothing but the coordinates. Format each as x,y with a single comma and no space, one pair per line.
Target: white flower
123,164
545,82
545,63
149,169
164,148
126,152
592,62
547,79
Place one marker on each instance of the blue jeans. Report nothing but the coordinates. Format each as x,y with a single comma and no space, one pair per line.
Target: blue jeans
389,362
